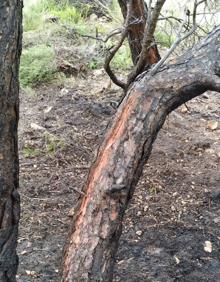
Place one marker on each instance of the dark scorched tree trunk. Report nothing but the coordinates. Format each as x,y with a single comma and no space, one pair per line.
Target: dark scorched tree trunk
93,242
10,48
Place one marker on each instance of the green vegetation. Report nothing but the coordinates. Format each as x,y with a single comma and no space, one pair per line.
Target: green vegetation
29,151
39,60
51,146
37,65
95,64
35,16
164,39
122,59
52,143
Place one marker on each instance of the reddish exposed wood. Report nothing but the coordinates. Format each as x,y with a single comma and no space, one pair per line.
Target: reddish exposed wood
136,31
93,242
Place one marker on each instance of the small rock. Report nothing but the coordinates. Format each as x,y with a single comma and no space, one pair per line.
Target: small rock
146,208
30,272
93,17
177,259
208,246
184,109
64,91
71,212
47,110
205,96
212,125
139,232
173,208
36,126
23,253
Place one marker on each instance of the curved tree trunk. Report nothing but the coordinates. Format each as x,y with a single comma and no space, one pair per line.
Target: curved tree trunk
93,241
10,48
136,31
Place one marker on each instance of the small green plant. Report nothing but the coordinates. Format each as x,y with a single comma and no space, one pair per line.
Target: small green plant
37,65
122,59
29,151
94,64
52,143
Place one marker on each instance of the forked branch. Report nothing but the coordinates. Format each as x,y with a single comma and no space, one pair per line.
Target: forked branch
114,50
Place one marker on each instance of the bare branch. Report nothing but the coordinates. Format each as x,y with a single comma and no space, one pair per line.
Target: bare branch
179,38
114,50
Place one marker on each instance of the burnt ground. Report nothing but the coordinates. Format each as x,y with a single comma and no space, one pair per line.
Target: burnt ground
171,229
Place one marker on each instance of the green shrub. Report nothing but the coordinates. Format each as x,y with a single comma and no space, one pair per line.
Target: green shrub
37,65
164,39
35,14
67,14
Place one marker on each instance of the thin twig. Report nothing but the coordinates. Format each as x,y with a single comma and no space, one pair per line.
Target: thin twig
179,38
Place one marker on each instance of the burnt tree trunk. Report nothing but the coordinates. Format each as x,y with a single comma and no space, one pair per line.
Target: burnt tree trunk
136,31
10,48
96,230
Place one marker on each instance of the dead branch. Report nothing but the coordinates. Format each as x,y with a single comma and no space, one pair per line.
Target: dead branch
114,50
179,38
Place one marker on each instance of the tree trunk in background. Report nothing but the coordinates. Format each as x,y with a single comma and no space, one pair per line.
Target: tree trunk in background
93,242
10,48
136,31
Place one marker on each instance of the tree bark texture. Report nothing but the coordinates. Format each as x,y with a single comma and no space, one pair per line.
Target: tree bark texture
10,48
96,230
136,31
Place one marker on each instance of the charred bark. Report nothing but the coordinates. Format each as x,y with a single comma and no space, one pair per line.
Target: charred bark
10,48
137,30
96,230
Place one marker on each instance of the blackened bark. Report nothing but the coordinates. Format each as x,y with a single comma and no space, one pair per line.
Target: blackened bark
10,48
96,230
136,31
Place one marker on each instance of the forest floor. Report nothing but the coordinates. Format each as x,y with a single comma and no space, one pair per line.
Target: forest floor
172,225
171,230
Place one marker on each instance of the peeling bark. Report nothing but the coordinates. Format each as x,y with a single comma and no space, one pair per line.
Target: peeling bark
93,241
10,48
